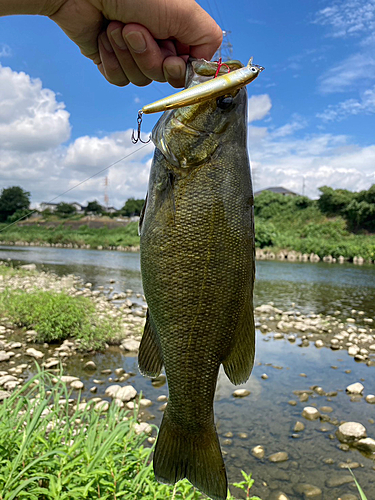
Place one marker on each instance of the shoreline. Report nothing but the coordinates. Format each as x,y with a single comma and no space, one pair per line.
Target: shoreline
260,254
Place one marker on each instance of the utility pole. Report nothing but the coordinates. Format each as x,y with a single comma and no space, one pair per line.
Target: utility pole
303,186
106,199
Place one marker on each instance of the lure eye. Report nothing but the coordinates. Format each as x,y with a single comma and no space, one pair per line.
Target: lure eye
224,102
254,70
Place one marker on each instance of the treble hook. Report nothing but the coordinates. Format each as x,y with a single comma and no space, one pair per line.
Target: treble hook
138,138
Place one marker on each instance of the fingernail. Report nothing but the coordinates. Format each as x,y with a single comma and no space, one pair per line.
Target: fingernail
174,71
118,38
136,41
106,43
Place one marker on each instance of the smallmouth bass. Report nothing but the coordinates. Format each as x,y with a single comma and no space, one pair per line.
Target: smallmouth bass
197,263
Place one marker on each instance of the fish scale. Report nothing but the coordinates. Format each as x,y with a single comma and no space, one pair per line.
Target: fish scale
197,263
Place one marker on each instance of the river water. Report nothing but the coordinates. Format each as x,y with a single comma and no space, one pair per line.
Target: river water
266,417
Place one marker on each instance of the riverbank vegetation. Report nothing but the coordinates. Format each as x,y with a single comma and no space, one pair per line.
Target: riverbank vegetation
61,450
339,223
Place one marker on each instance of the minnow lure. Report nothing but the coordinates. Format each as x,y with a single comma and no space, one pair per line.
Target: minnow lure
210,89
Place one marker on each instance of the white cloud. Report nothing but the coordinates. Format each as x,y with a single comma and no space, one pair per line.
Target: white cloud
259,106
344,109
357,69
348,17
297,123
30,117
5,50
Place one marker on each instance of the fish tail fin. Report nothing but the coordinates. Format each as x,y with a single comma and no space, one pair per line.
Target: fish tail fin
179,454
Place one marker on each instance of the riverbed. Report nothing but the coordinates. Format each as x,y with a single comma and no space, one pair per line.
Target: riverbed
267,416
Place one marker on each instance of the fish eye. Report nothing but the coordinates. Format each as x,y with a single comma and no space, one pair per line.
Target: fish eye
224,102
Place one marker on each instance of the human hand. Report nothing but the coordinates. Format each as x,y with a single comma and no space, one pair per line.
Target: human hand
139,41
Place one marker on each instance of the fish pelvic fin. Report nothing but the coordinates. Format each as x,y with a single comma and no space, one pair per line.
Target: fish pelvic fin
239,362
180,453
150,357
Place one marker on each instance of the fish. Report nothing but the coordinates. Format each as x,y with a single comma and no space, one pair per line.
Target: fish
237,77
197,263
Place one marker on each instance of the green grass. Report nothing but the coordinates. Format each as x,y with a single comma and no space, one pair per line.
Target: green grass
66,234
58,316
50,450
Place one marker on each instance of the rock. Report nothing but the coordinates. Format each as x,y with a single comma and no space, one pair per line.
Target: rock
353,350
264,376
34,353
334,482
367,445
4,395
131,345
145,403
119,372
319,343
163,407
4,356
159,381
112,390
258,451
356,388
126,393
370,399
267,309
28,267
90,365
326,409
350,432
310,413
143,427
308,491
279,495
77,385
66,379
298,427
51,362
162,398
15,345
281,456
101,406
348,496
241,393
7,378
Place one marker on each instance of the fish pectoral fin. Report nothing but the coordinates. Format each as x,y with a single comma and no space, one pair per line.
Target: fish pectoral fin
239,362
197,456
150,358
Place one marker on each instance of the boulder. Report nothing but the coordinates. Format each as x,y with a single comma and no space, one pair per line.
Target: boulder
350,432
356,388
310,413
34,353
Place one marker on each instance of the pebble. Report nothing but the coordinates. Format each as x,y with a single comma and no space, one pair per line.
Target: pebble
162,398
77,385
370,398
101,406
367,445
350,432
326,409
308,491
90,365
264,376
281,456
143,427
356,388
241,393
334,482
310,413
34,353
131,345
258,451
243,435
319,343
4,395
298,426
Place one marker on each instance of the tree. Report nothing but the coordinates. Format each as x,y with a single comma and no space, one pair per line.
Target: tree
132,207
94,207
334,201
65,209
13,199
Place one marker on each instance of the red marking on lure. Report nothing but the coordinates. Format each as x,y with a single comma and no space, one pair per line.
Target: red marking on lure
219,65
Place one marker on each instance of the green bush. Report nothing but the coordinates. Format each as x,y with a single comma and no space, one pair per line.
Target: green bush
57,316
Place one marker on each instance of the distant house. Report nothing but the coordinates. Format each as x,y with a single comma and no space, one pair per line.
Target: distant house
278,190
110,210
79,208
48,206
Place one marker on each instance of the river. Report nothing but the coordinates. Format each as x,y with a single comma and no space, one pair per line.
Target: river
266,417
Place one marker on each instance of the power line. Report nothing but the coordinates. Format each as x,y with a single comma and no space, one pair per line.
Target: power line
74,187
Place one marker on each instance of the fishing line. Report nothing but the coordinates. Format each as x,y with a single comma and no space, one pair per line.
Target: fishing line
74,187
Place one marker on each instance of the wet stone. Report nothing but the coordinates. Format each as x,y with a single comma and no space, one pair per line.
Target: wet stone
298,427
292,402
281,456
258,451
370,399
90,365
34,353
348,496
336,481
310,413
342,446
241,393
77,385
228,434
162,398
349,465
328,461
356,388
4,395
367,445
304,397
4,356
308,491
326,409
243,435
350,432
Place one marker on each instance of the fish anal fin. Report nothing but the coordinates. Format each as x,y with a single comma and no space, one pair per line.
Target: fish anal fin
150,358
180,453
239,362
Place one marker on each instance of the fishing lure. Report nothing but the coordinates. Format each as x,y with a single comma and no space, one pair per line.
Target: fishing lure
210,89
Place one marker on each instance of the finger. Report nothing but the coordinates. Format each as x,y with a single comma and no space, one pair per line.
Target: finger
140,46
124,55
174,71
110,65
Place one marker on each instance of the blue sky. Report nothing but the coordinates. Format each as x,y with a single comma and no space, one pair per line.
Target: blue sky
311,112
